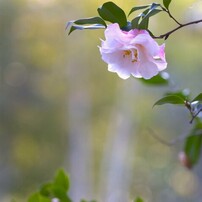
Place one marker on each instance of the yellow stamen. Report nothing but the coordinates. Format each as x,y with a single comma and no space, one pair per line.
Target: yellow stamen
129,52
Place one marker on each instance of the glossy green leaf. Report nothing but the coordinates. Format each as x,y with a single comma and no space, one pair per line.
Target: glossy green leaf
135,22
198,98
109,11
62,180
93,20
145,21
193,147
138,200
170,99
166,3
144,24
161,79
138,8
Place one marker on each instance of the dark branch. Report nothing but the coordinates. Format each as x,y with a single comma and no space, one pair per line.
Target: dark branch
166,35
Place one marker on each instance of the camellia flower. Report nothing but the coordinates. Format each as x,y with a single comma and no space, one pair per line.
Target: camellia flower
132,53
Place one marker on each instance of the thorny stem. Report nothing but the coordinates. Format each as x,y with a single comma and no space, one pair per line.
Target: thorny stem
166,35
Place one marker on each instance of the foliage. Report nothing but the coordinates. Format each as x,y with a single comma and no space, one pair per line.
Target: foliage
58,190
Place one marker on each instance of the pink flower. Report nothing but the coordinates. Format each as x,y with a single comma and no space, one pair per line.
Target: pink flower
132,53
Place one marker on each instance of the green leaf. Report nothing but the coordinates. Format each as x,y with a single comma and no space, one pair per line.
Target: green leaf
91,23
36,197
198,98
93,20
147,14
62,180
81,27
145,21
138,200
184,94
138,8
166,3
144,24
47,190
193,144
109,11
135,22
60,193
170,99
160,79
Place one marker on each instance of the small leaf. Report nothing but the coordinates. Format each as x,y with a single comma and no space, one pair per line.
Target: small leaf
137,8
198,98
138,200
160,79
62,180
109,11
170,99
166,3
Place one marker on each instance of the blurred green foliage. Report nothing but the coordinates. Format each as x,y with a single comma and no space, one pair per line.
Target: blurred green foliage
57,99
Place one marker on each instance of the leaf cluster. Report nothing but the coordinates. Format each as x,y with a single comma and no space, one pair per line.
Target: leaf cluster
110,12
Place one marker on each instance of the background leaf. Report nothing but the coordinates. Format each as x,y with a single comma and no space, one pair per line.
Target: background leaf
112,13
38,198
138,200
62,180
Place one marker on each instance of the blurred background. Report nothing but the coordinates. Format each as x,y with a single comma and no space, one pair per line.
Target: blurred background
60,107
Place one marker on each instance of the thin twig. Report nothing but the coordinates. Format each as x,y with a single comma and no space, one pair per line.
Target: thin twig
170,15
195,115
166,35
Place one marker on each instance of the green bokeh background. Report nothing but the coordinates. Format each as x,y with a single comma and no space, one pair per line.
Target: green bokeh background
60,107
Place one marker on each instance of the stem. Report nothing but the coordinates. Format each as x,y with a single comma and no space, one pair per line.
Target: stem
166,35
195,115
170,15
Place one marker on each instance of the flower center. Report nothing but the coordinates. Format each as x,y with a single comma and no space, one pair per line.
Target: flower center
133,54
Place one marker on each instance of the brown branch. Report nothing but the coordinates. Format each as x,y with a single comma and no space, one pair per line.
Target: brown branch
170,15
166,35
